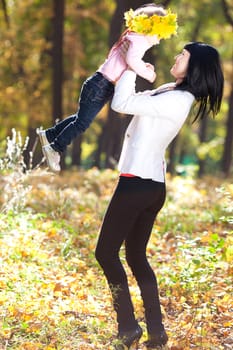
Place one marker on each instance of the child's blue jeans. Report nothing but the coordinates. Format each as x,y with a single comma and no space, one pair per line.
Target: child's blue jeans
96,92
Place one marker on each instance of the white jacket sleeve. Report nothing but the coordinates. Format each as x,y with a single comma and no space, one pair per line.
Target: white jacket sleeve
127,101
173,106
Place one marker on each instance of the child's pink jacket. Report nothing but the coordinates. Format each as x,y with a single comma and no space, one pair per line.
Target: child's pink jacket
115,64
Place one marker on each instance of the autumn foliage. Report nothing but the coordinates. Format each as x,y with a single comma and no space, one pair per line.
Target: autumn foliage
53,294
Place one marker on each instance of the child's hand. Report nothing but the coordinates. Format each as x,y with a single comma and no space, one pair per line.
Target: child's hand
150,66
153,39
124,48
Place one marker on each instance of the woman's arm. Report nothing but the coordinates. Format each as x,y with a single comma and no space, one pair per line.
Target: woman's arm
173,106
126,100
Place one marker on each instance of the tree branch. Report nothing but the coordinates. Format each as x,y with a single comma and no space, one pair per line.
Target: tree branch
226,10
4,7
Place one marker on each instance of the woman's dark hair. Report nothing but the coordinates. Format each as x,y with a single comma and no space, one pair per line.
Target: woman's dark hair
204,78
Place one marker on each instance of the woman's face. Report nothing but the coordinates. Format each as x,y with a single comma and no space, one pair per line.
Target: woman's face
179,69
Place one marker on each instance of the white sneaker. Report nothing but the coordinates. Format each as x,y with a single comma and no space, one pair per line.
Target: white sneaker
42,137
52,158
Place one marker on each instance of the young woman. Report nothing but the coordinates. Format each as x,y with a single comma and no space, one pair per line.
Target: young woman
98,89
140,193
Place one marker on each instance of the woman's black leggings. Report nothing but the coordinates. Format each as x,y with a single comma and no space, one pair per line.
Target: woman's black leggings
130,217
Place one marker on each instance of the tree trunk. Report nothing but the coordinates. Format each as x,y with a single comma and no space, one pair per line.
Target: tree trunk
110,130
202,138
172,150
172,153
57,58
228,145
111,138
57,61
5,12
76,151
227,12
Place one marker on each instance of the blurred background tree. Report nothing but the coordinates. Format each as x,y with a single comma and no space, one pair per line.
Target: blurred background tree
48,48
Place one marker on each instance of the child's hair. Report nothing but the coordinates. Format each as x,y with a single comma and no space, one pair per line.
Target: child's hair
151,19
150,10
146,9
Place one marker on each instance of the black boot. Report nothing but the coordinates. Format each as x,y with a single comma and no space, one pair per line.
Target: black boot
128,340
156,340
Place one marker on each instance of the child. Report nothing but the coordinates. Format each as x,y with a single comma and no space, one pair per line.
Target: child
145,27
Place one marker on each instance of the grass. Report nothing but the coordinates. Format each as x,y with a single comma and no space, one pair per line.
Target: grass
53,294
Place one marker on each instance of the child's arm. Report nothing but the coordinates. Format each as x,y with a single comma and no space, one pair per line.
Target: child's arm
138,45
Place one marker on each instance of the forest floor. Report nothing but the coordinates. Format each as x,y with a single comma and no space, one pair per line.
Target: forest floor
53,294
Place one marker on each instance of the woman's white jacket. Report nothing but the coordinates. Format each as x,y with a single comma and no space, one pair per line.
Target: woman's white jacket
157,120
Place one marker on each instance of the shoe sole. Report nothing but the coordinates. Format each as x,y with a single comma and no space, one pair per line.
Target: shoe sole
44,153
42,140
48,162
42,144
157,347
133,346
